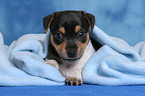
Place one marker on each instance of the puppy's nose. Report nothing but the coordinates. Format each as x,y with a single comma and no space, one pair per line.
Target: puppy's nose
71,49
71,54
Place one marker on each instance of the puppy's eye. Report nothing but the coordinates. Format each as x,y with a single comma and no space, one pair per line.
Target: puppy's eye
81,34
58,36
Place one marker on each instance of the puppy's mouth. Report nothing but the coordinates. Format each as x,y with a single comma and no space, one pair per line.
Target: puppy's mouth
71,59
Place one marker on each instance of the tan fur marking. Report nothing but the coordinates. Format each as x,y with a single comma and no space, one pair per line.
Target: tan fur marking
83,45
60,48
77,28
62,30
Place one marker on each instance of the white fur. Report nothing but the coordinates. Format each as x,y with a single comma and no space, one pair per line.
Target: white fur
75,69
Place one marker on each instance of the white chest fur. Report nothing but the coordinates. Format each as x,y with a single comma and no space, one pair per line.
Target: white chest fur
67,69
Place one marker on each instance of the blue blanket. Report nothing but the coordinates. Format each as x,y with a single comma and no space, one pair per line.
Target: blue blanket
115,63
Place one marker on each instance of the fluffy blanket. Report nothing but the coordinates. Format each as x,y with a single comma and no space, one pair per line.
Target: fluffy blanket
115,63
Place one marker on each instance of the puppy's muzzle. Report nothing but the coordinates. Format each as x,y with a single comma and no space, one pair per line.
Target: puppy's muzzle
71,50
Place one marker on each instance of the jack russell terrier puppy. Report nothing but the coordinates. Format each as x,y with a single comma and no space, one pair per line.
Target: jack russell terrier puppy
70,46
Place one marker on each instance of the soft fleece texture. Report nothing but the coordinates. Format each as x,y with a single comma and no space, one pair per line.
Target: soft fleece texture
21,63
115,63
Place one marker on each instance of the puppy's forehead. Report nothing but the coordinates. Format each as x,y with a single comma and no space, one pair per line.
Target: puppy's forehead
77,29
70,22
70,25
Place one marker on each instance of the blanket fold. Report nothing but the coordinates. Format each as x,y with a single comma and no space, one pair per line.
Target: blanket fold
22,63
115,63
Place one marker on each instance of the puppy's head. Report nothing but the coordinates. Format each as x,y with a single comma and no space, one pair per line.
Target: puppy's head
69,32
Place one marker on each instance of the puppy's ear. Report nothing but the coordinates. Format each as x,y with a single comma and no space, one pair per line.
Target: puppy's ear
91,20
47,21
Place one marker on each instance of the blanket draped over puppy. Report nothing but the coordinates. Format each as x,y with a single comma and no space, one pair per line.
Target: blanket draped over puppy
115,63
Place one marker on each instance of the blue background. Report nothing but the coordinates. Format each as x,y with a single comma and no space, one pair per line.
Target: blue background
121,18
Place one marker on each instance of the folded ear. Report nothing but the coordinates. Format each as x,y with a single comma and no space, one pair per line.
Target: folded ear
91,20
47,21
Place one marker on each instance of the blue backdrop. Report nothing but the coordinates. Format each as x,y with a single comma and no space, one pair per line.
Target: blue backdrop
121,18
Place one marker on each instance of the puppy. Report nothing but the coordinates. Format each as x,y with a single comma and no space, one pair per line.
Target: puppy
70,46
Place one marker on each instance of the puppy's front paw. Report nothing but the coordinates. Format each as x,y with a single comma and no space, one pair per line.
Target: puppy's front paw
52,63
73,81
